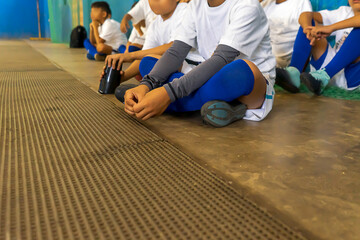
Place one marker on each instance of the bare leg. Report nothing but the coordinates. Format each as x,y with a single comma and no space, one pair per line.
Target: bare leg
256,98
103,48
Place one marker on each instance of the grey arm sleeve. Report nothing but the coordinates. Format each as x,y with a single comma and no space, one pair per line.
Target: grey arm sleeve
190,82
169,63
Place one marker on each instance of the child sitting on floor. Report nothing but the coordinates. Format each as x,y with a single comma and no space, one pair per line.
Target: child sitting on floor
159,38
236,79
338,65
283,16
136,39
141,16
105,34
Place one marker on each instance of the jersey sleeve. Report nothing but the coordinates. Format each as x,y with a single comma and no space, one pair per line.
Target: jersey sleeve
107,31
138,12
247,28
186,31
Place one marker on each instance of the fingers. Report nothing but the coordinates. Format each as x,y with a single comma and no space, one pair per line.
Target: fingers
119,65
114,64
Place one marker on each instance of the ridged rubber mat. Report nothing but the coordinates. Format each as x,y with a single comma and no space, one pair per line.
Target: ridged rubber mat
75,166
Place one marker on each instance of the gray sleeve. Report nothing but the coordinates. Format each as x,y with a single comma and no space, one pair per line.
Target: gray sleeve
169,63
190,82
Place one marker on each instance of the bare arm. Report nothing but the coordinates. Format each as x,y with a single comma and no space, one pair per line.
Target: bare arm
124,26
131,71
325,31
92,37
353,22
116,60
305,19
96,33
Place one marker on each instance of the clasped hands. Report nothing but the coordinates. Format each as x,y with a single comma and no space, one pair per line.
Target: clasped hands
316,33
143,104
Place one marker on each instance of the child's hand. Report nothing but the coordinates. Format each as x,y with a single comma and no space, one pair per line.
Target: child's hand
115,61
153,104
102,73
134,96
96,23
322,31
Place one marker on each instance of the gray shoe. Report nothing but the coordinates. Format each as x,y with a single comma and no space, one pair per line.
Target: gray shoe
220,113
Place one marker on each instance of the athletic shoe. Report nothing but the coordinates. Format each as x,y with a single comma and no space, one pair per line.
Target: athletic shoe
90,56
220,113
288,78
121,90
100,57
315,81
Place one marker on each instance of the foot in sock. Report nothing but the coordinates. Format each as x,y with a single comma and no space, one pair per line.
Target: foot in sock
288,78
315,81
220,113
90,56
100,57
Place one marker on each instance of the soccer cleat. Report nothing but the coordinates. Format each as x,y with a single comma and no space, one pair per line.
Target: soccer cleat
220,113
315,81
288,78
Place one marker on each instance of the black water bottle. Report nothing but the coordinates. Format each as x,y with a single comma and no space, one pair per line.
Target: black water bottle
110,81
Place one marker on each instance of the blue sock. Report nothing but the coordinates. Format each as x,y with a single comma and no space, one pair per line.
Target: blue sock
318,63
234,80
89,47
347,54
133,48
301,51
352,74
122,49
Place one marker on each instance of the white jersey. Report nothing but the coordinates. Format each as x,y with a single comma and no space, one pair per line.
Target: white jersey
136,38
161,32
110,32
142,11
241,25
284,26
331,17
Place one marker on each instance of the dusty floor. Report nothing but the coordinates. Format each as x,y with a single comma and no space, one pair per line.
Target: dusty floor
302,162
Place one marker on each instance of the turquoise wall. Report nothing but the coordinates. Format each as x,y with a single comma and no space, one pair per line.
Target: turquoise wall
65,15
18,19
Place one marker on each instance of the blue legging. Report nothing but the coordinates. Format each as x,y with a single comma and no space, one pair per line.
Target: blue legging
132,48
344,58
234,80
90,48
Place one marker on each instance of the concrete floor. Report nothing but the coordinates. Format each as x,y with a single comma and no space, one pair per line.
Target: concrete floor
302,163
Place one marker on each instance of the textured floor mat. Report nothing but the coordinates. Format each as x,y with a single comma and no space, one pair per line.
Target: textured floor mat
75,166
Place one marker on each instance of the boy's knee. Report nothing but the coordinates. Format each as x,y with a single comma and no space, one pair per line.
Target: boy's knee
100,48
153,56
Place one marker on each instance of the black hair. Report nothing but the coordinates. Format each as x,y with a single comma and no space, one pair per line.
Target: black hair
103,5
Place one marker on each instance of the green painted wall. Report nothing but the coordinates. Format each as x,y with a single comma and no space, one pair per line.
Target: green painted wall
66,14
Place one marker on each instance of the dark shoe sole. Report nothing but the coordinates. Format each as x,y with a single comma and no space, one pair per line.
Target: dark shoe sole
283,80
220,114
311,83
121,90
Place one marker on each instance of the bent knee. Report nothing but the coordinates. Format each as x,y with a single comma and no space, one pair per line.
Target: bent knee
100,48
157,56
